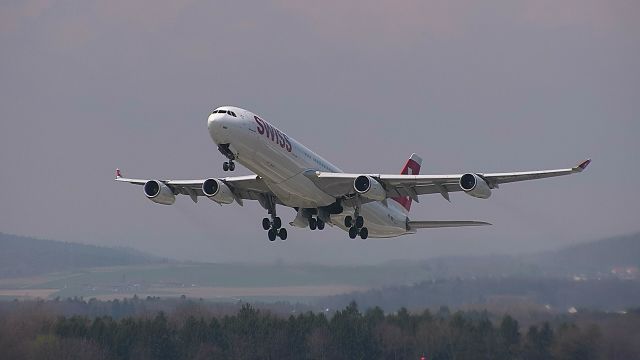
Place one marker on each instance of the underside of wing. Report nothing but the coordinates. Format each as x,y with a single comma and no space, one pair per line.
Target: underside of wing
222,190
443,224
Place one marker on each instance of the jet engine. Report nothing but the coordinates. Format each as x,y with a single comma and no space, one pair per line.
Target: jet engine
159,193
369,188
475,186
217,191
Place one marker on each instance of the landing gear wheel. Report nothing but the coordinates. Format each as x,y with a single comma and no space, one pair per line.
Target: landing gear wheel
320,224
277,223
225,166
272,234
364,233
359,222
312,223
232,166
266,223
282,234
353,232
348,221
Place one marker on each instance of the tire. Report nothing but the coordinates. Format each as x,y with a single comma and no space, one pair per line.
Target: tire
266,224
283,234
353,232
348,221
320,225
232,166
225,166
312,223
277,222
359,222
364,233
272,234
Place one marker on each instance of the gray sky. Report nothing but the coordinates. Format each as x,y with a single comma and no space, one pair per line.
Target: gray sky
471,86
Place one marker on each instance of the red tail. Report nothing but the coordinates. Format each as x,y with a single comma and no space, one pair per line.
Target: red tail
412,167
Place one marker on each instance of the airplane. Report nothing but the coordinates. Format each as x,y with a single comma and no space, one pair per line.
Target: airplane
287,173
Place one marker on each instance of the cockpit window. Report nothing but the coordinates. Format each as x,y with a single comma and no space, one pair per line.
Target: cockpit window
224,112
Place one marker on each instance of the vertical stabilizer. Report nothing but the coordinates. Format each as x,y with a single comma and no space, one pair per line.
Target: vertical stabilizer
412,167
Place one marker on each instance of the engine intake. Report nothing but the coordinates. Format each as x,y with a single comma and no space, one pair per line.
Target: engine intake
217,191
369,187
475,186
159,193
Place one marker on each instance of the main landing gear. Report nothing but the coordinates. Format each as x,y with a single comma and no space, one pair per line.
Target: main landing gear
274,228
356,227
274,225
316,223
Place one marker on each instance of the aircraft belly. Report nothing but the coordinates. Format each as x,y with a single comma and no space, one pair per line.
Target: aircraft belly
378,219
299,191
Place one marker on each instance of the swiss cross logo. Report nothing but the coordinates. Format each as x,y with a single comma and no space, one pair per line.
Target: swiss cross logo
410,168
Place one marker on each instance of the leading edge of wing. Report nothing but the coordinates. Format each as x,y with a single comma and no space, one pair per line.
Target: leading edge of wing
444,223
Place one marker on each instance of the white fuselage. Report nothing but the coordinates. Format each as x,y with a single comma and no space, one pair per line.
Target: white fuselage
281,162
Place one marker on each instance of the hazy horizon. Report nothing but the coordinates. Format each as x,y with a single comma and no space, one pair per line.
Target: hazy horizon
493,86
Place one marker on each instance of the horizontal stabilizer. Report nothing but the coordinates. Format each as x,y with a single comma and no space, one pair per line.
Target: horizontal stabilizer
441,224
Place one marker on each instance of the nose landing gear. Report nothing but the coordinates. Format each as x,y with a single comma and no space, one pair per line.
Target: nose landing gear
228,166
226,151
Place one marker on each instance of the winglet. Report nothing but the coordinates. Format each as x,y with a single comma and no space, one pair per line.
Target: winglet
118,174
583,165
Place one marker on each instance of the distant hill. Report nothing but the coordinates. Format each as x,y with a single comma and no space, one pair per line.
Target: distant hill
24,256
593,259
590,258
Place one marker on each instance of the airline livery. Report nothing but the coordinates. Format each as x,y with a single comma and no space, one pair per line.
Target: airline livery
287,173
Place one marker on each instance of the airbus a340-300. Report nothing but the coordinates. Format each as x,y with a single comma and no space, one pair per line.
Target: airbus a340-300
287,173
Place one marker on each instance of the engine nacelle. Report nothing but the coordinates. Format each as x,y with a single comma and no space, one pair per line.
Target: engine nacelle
217,191
159,193
369,188
475,186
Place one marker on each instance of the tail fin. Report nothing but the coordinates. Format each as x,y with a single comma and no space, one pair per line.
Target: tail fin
412,167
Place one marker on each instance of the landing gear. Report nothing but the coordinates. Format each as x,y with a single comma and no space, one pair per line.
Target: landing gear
272,233
356,227
316,223
274,225
226,151
228,166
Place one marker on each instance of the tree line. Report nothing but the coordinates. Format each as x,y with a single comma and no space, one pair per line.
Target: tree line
251,333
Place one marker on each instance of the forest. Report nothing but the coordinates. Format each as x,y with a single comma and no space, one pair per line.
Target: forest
192,329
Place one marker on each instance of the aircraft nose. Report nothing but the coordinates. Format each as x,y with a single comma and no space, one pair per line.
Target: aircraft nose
219,125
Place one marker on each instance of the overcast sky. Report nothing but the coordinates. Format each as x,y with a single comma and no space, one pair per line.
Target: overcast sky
88,86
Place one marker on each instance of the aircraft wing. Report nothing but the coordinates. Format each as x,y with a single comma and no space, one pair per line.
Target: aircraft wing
341,184
249,187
